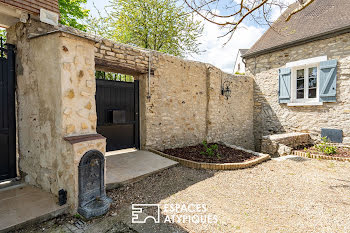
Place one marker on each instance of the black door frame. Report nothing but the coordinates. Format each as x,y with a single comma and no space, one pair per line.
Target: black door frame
137,113
105,108
7,63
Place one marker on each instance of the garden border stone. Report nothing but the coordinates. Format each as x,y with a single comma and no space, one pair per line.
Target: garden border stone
316,156
218,166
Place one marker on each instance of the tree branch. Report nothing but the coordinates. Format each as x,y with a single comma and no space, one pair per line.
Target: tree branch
300,8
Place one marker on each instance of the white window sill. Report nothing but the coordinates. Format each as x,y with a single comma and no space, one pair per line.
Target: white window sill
305,104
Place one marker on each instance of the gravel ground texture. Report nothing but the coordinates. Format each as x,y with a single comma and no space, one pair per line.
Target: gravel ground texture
300,195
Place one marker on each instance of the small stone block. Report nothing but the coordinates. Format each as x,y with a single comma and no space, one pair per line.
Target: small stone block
89,83
334,135
84,93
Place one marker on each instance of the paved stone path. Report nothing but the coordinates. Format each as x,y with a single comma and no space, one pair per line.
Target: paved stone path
286,195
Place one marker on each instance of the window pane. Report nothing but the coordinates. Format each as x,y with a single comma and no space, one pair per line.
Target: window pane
300,84
300,74
312,93
300,94
312,82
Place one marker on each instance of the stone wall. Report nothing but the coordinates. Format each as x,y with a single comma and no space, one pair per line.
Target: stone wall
185,105
113,56
230,120
270,117
182,106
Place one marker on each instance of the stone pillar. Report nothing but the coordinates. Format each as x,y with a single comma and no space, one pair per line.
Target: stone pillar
78,87
56,112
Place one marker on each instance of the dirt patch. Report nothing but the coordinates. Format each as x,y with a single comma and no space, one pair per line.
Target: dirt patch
341,151
226,154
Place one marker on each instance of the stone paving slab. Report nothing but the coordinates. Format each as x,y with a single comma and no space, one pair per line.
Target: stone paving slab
130,167
25,204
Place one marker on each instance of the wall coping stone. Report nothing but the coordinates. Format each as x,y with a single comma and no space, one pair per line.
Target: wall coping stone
276,137
83,138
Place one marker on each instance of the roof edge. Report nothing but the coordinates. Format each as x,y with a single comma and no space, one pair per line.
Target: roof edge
322,36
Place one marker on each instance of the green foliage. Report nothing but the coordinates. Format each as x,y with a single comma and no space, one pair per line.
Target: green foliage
113,76
72,12
160,25
210,151
3,35
77,216
325,147
239,73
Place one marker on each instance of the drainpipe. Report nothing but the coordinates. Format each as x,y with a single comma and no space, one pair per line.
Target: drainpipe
149,74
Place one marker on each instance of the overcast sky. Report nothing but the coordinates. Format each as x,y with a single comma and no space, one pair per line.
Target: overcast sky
215,53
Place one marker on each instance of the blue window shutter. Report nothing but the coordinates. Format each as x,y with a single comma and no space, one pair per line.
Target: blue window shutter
328,81
284,83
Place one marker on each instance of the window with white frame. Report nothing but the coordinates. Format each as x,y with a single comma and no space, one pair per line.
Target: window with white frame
308,82
305,83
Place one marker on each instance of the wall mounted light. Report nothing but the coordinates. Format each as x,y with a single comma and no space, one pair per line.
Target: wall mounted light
225,89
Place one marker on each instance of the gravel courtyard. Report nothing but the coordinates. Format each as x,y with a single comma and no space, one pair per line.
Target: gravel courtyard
277,196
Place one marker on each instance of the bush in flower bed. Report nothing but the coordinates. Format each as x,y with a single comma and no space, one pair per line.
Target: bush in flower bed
326,147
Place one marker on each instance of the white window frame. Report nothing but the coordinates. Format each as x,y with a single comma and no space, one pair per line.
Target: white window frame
305,64
306,84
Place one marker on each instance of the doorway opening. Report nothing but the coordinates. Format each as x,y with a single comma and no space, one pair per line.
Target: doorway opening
117,107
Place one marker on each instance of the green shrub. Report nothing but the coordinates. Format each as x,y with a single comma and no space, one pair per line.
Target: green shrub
210,151
325,147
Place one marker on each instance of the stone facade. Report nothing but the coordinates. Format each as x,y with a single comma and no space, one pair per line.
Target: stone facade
270,117
230,120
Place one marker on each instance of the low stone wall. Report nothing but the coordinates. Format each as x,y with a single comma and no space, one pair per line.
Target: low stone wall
270,117
283,144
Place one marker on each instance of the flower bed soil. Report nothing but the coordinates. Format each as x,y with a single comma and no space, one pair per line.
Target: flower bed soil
227,154
341,151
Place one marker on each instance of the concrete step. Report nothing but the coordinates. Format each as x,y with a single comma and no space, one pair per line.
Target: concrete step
125,168
21,205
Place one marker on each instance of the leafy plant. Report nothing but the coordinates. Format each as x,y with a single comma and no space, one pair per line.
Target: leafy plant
161,25
326,147
72,13
3,35
308,154
210,151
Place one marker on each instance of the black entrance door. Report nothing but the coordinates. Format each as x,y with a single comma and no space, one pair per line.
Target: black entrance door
117,106
7,113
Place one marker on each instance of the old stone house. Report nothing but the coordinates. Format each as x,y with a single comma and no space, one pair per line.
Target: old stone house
301,71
